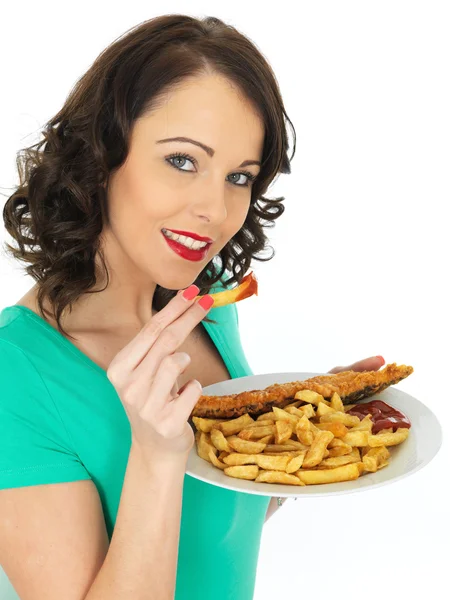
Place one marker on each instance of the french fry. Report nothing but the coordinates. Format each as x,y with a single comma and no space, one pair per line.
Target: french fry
344,473
297,445
339,448
268,439
295,404
306,409
272,463
261,423
284,453
317,449
206,425
233,426
323,409
219,441
215,461
356,438
340,417
295,463
303,431
205,445
360,466
236,459
283,431
256,433
337,429
312,397
246,472
245,446
388,439
269,416
336,402
338,461
365,425
375,457
277,477
282,415
364,450
247,287
282,447
385,464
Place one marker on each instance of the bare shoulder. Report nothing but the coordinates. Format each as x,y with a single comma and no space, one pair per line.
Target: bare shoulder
52,537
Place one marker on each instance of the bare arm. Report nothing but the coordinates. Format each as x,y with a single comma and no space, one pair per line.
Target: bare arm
142,559
54,543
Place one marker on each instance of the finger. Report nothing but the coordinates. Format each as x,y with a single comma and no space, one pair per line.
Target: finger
367,364
335,370
173,336
174,392
162,385
132,354
188,398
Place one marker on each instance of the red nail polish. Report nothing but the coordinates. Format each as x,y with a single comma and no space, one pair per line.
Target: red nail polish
380,357
206,302
190,292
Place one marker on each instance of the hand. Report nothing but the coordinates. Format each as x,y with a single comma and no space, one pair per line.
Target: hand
145,374
367,364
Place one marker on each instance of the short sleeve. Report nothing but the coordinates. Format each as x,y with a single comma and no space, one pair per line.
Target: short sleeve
34,444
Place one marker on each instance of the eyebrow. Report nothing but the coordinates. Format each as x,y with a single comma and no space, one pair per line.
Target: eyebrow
206,148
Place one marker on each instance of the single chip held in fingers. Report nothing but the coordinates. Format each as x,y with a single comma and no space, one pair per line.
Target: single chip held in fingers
247,287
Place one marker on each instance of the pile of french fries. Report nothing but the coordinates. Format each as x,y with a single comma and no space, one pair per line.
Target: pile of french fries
309,441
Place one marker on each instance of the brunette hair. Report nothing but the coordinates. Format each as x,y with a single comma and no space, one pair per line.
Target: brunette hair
57,212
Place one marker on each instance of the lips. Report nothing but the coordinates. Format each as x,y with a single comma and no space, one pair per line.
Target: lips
187,253
194,236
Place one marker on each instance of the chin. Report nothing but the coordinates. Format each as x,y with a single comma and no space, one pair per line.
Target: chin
177,282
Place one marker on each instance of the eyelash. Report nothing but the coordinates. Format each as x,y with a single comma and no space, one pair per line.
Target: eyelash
250,176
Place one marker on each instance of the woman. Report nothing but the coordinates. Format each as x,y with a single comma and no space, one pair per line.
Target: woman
103,360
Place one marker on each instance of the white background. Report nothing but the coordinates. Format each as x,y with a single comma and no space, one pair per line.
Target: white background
362,251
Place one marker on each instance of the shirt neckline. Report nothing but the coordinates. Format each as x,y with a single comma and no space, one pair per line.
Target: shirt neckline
74,349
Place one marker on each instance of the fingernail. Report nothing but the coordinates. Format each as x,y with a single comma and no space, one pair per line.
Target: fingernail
206,302
190,292
380,357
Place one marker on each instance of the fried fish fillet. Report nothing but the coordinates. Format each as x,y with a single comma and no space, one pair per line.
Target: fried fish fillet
350,385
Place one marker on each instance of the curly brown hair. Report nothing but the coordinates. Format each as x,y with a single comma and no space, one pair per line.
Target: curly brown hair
60,206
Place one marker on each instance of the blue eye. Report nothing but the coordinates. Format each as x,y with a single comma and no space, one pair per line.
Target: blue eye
183,155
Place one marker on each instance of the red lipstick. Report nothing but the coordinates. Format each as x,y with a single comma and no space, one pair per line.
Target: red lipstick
194,236
187,253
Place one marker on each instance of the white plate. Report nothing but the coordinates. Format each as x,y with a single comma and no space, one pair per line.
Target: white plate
415,452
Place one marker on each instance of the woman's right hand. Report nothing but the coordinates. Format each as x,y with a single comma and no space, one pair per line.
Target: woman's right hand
144,374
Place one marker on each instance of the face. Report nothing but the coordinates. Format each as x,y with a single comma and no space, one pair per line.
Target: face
153,194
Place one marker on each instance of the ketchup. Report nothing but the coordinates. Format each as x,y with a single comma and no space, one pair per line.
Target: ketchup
383,416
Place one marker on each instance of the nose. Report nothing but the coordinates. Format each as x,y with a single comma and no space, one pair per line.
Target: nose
210,204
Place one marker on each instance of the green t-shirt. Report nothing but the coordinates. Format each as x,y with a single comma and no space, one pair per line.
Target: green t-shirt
62,420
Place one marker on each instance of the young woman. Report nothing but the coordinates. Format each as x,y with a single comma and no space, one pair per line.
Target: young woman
148,192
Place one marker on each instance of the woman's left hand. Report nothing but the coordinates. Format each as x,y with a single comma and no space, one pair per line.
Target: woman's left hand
373,363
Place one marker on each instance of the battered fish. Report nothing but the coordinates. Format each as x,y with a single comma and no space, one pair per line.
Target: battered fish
350,385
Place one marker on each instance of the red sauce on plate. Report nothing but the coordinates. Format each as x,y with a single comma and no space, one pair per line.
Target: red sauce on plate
383,415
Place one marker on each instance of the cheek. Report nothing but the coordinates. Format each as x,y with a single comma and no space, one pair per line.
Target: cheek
240,214
147,201
237,215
